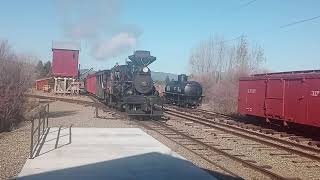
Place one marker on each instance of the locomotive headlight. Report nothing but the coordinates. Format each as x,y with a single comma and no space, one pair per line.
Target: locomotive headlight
145,69
129,92
143,83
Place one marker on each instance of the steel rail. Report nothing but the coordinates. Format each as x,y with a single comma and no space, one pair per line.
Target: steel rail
235,158
184,146
307,148
222,127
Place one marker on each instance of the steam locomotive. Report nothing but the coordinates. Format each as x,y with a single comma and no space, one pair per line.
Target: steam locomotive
128,87
183,92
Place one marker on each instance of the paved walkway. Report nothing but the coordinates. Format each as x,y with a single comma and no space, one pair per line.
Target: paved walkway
108,153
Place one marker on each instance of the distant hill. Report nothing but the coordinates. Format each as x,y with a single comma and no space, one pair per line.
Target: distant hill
161,76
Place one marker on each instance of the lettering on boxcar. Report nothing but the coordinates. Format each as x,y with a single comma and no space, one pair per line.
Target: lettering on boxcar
315,93
251,91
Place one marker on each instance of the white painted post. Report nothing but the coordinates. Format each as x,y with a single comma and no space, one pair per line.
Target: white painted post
65,86
55,85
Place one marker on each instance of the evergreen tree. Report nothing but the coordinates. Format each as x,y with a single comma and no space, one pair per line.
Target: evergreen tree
47,68
167,79
43,70
39,69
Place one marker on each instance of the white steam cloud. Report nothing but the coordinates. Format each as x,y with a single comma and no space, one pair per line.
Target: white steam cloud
96,23
118,44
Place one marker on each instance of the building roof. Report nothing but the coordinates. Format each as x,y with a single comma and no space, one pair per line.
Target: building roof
67,45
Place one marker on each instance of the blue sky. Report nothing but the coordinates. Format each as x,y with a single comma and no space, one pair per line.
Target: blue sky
171,29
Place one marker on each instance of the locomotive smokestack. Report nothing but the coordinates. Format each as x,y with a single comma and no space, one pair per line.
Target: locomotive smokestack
142,58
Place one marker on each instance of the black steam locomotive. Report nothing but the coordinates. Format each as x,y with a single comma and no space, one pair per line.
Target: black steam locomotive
130,87
183,92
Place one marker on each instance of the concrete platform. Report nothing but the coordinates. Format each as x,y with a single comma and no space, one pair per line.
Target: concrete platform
108,153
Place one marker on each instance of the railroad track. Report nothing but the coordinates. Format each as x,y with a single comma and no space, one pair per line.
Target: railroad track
301,161
284,135
211,153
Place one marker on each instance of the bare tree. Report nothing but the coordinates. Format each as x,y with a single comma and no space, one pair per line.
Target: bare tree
16,75
218,64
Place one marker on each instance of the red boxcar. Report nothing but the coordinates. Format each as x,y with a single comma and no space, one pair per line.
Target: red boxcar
287,96
65,59
90,84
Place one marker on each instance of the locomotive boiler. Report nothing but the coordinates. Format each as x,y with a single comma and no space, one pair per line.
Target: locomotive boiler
130,87
183,92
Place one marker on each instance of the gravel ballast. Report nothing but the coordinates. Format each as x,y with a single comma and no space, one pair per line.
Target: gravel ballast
14,150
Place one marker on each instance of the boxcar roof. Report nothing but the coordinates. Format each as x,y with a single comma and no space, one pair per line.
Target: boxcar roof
285,75
103,72
91,75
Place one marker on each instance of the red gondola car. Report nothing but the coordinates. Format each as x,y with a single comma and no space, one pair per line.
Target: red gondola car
286,96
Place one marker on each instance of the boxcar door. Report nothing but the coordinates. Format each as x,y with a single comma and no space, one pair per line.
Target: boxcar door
275,98
295,100
313,98
252,95
242,98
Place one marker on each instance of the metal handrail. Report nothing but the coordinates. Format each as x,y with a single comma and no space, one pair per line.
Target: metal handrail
42,117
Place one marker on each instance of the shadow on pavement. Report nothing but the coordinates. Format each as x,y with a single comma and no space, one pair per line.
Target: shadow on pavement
149,166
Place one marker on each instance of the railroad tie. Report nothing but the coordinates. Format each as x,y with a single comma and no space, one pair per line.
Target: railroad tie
239,155
188,144
250,144
279,154
262,147
302,161
314,166
299,139
314,143
266,167
211,143
250,161
197,148
286,135
289,156
226,149
267,131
